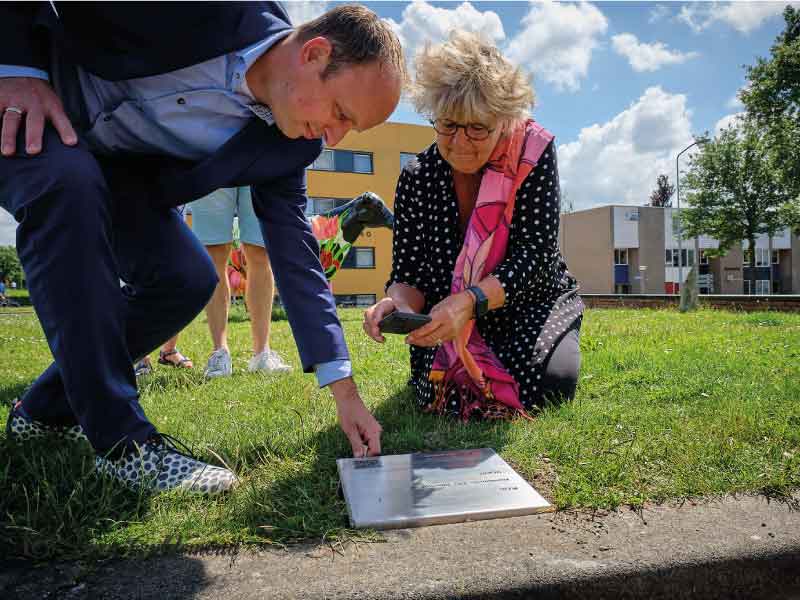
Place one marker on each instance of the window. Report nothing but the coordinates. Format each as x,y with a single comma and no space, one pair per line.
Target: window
362,163
324,161
621,256
762,257
343,161
676,224
776,257
359,258
361,300
671,257
703,257
320,206
405,158
762,287
632,214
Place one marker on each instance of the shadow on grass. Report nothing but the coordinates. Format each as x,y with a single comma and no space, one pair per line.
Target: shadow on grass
307,503
11,391
54,505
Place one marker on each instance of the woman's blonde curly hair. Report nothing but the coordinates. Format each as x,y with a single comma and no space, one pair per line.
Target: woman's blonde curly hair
470,81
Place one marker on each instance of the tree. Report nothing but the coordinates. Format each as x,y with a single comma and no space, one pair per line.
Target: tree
734,194
662,195
772,100
10,267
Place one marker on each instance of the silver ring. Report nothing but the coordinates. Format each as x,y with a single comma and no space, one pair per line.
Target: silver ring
13,109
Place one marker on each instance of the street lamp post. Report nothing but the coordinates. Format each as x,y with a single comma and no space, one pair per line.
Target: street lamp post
678,198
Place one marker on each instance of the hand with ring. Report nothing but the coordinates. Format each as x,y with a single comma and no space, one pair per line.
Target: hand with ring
29,102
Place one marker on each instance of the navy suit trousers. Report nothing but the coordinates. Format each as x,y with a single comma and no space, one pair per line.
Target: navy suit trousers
76,239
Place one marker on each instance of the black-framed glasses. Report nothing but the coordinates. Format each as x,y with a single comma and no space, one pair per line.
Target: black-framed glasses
477,132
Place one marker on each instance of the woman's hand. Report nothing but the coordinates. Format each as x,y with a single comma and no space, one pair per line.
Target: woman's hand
447,319
373,316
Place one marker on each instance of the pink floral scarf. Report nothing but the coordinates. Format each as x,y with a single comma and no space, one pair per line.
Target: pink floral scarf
465,370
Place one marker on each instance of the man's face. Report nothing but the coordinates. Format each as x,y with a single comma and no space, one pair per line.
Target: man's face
354,97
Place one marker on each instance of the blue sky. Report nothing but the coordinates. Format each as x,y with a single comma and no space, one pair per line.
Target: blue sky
622,85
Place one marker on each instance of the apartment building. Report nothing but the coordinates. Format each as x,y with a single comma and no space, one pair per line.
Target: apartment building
361,162
629,249
367,161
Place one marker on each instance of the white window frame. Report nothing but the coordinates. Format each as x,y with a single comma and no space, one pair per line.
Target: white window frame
618,253
320,164
405,158
357,251
362,155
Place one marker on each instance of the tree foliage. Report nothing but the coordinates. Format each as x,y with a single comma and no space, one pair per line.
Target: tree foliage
662,195
734,194
10,267
772,100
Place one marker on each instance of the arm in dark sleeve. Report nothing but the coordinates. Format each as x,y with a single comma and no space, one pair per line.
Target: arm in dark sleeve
294,254
530,260
408,260
22,43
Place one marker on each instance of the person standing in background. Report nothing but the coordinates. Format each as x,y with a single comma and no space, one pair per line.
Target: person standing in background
212,223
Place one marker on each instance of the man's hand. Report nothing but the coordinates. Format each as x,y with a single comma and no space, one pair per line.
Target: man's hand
35,101
358,424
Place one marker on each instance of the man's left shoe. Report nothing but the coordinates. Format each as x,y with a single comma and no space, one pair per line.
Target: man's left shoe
21,428
268,361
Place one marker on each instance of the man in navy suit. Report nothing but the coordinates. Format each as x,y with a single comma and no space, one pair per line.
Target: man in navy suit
115,113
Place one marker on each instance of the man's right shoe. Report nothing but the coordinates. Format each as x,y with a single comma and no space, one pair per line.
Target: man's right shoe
158,465
219,364
21,428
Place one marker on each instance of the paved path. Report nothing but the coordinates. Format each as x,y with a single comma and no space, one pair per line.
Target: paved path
745,548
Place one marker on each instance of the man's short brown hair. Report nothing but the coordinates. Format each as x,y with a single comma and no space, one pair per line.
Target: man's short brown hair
358,37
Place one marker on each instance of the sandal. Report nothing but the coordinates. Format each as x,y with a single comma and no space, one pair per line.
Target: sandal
143,367
181,363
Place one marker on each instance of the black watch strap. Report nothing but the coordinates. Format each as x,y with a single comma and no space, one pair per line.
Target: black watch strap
481,301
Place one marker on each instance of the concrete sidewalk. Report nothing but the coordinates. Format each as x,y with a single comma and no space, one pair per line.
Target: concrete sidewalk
735,548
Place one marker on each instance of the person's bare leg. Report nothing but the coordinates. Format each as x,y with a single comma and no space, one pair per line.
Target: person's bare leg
170,353
170,345
217,308
260,289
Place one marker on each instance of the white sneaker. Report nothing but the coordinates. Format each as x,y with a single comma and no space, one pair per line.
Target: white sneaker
269,362
219,364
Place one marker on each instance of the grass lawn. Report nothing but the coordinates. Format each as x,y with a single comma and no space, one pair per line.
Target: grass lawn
669,406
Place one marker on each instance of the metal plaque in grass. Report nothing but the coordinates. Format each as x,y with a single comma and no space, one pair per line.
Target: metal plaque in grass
411,490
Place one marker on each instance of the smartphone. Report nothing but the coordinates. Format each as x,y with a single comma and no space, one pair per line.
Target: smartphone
402,322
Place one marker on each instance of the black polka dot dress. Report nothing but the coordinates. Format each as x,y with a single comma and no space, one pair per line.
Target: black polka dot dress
542,303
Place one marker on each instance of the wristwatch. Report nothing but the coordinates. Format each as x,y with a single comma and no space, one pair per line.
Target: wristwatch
481,301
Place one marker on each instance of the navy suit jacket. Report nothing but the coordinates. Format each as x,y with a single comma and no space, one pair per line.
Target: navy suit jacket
124,40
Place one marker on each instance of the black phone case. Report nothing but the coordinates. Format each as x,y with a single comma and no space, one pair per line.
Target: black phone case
398,322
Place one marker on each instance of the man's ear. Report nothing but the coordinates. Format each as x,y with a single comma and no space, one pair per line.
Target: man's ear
316,50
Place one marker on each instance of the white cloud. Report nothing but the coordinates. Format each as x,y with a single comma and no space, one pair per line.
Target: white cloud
658,13
726,122
618,161
422,23
301,12
648,57
742,16
734,102
8,228
557,40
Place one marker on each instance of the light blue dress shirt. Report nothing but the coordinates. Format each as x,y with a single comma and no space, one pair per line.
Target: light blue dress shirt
189,113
